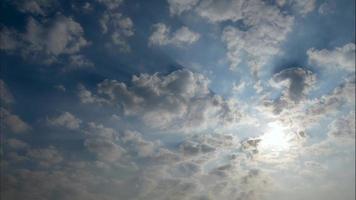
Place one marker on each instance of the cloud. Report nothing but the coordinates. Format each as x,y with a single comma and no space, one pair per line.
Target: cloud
295,85
100,141
162,36
66,120
264,28
298,82
78,62
17,144
5,95
35,7
332,102
118,27
140,146
343,127
45,157
342,58
12,122
180,100
45,41
176,7
111,4
302,7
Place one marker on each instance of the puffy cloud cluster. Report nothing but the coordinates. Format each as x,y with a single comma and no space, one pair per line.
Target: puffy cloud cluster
65,119
10,121
5,95
343,127
295,84
339,58
266,27
115,25
118,27
180,100
36,7
342,95
45,41
162,36
302,7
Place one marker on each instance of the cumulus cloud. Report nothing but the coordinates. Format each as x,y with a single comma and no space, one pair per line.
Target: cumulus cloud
329,103
78,62
295,84
5,95
12,122
342,58
179,6
118,27
102,142
111,4
45,157
36,7
162,36
344,127
302,7
17,144
66,119
265,28
180,100
45,41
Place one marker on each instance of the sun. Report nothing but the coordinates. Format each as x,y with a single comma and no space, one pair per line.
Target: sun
275,138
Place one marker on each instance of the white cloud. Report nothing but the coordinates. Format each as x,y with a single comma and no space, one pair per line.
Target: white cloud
179,100
111,4
162,36
13,122
179,6
5,95
302,7
46,157
78,62
17,144
338,58
65,119
36,7
102,142
118,27
343,128
45,41
266,28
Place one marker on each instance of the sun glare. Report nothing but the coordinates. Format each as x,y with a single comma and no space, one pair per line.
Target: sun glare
275,139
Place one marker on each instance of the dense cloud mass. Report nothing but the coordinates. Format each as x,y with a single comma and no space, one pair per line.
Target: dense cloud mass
177,100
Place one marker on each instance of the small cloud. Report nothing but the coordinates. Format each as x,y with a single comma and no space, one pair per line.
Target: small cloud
340,58
60,88
66,120
13,122
162,36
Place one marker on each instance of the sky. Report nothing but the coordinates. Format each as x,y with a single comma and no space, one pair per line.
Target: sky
177,99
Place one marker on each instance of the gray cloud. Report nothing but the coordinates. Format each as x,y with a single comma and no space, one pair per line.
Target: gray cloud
180,100
338,58
266,28
162,36
65,119
44,41
118,27
12,122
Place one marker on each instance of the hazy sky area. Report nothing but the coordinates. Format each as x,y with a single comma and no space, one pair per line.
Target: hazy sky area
177,99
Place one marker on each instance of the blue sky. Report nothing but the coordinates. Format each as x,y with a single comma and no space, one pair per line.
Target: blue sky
178,99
